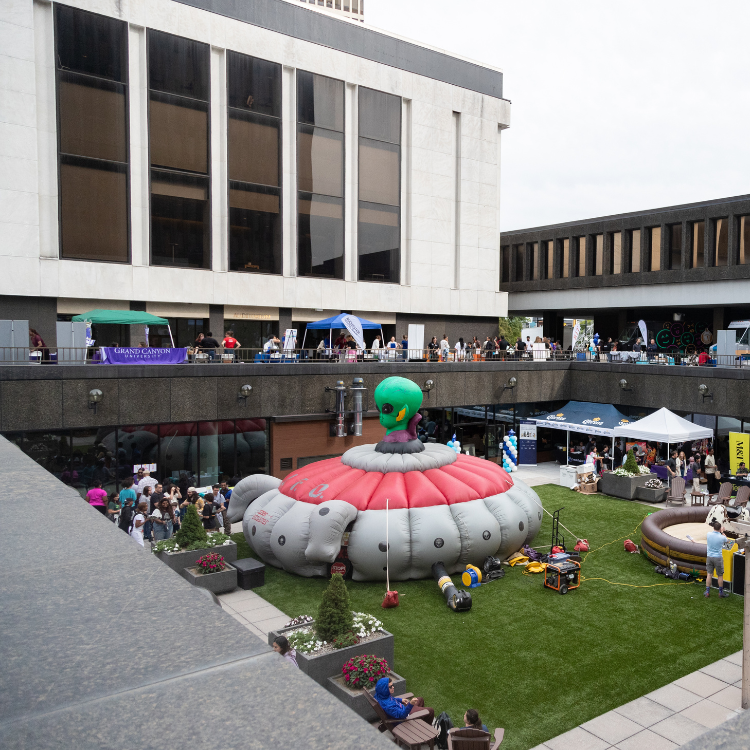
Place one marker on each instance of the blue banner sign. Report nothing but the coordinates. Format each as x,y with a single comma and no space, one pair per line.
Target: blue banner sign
527,444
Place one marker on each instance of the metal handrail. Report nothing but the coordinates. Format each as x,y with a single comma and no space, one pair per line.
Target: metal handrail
93,356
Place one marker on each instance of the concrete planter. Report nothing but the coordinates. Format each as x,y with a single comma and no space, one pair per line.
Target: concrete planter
356,700
217,583
178,561
623,487
322,666
651,495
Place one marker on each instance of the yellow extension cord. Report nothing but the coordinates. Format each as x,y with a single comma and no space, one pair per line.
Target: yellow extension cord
616,583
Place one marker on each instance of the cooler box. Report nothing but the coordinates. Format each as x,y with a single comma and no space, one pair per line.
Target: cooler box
250,573
568,476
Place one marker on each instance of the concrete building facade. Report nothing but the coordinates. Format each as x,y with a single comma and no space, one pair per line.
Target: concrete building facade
361,172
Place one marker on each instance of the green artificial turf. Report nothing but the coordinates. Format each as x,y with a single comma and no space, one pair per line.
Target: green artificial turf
529,659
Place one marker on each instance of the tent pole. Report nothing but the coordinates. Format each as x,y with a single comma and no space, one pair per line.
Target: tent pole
613,452
669,478
303,338
169,328
567,447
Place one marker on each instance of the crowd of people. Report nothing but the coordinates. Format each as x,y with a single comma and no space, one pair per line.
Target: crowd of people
148,510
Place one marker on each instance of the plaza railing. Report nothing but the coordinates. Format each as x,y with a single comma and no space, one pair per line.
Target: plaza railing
93,356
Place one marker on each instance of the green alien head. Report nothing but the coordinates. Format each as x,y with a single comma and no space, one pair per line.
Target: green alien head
398,400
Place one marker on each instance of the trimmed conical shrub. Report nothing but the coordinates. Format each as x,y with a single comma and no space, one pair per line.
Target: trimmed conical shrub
335,612
191,530
630,464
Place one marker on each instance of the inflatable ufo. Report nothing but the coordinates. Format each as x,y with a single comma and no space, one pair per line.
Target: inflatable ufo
436,505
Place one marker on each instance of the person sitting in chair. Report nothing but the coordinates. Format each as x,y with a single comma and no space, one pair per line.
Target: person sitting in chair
472,720
742,469
398,708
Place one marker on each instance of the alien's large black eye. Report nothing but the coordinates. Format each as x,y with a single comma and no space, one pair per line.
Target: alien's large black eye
387,409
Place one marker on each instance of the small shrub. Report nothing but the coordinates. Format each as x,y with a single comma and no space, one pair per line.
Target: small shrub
630,464
335,613
210,563
191,530
345,640
364,671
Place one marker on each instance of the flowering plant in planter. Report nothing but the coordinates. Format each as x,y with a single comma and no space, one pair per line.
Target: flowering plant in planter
211,563
364,671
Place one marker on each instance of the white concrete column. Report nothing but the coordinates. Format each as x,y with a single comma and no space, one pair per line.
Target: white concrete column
37,79
351,181
406,190
219,186
457,201
289,170
139,166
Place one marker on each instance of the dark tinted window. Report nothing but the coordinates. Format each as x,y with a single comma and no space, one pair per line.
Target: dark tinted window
177,65
254,84
254,229
91,77
178,133
379,116
89,43
320,224
179,220
254,156
379,236
320,101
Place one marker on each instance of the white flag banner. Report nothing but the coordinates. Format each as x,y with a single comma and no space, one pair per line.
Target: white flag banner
576,334
290,339
644,332
354,326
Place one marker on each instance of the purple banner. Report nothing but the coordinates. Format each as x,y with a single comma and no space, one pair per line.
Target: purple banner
148,355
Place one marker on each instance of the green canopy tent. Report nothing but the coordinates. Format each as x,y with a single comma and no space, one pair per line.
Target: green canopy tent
123,317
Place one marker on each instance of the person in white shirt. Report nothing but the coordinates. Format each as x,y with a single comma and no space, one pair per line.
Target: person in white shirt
460,349
139,520
147,481
444,347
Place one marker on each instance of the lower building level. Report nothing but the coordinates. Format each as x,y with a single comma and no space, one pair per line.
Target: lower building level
252,325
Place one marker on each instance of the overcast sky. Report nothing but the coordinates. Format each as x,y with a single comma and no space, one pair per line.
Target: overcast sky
617,106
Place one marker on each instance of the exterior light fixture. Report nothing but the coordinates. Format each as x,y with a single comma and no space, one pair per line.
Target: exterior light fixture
244,392
703,390
429,385
624,385
95,396
511,384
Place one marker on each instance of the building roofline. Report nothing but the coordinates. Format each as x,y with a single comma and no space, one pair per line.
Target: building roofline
363,41
629,215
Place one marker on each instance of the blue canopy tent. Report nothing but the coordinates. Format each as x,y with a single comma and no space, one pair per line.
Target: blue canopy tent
585,417
328,324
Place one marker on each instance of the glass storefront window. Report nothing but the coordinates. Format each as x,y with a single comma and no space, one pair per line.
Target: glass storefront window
91,77
178,454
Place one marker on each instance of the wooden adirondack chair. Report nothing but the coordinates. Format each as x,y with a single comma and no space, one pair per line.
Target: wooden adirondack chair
468,738
743,495
724,495
676,495
388,722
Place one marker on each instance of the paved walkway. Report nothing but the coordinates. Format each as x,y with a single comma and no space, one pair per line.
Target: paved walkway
665,719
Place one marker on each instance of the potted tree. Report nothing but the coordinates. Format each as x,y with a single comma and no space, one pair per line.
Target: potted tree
212,572
337,634
624,482
191,542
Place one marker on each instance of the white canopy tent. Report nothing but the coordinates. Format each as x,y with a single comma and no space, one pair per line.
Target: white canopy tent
664,427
